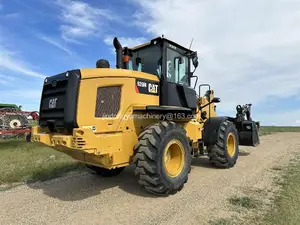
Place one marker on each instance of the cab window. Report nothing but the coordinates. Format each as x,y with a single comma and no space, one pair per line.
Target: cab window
177,67
149,60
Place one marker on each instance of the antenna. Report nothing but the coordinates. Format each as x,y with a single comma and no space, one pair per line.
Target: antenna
191,43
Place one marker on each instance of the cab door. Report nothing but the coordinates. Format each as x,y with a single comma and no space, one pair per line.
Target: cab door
175,83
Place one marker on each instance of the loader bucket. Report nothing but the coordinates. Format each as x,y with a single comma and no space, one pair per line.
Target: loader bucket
248,133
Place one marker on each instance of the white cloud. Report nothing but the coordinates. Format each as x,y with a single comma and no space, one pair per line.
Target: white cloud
12,15
21,93
28,98
9,60
81,19
4,79
14,91
289,118
248,50
125,41
55,43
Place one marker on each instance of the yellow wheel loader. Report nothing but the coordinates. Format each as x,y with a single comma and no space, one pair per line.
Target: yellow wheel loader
142,112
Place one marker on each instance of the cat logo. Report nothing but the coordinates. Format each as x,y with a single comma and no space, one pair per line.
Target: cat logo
147,87
52,103
152,88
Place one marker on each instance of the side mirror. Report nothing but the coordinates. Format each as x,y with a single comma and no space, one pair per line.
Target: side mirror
195,60
216,100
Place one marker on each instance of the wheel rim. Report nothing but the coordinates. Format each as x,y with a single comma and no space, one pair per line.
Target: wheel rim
14,123
231,144
174,158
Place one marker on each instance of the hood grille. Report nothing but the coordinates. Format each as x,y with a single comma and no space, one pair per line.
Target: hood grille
108,101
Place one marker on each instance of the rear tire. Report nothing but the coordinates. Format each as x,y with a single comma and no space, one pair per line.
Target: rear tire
163,158
225,152
105,172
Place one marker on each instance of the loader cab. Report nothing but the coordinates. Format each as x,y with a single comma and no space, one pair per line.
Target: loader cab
170,62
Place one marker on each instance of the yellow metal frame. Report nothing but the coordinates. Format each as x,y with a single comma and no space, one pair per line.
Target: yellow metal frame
111,144
231,145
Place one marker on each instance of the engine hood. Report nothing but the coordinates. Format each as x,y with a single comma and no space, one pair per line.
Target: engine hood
108,72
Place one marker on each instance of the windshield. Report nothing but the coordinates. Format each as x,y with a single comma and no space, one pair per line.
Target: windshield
150,58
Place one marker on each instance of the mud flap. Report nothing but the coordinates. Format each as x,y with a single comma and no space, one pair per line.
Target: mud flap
248,133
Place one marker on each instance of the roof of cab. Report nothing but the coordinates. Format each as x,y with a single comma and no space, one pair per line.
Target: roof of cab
159,39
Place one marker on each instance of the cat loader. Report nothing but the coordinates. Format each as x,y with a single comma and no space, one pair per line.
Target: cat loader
144,112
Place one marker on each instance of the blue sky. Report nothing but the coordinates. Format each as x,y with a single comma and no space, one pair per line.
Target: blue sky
249,50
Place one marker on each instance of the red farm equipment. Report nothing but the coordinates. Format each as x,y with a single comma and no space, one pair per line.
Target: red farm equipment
14,122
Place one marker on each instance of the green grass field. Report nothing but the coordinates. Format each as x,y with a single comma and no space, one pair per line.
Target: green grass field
272,129
26,162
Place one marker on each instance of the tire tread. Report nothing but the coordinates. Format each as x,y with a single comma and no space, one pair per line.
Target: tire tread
217,152
146,159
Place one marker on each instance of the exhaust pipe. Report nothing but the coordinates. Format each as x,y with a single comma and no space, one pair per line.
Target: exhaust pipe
119,53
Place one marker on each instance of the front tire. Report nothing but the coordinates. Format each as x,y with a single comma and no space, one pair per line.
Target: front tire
163,158
225,152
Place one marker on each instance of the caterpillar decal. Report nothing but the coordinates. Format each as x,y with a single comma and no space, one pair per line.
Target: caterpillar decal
144,86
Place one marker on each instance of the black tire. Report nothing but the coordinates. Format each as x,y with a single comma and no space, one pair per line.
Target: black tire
219,153
151,168
105,172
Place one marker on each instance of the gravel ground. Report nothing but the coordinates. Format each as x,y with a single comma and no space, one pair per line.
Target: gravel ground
82,198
